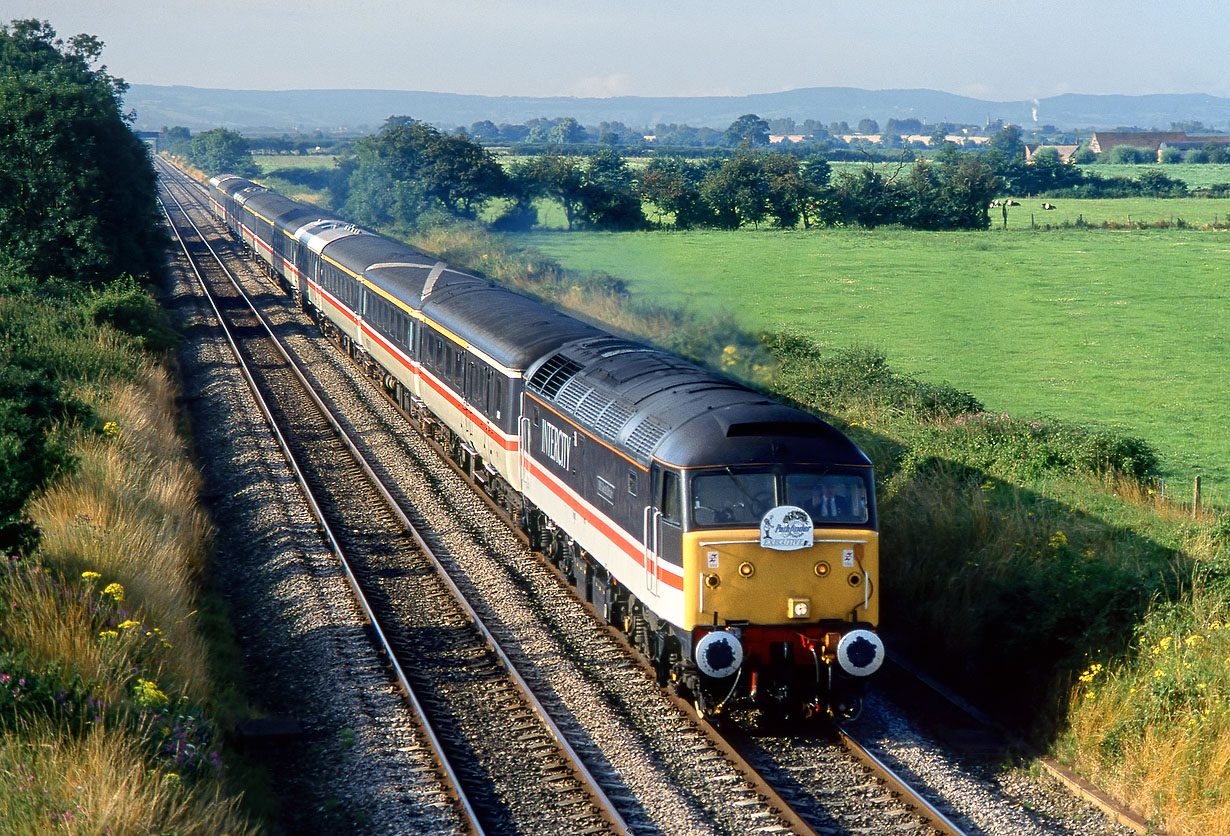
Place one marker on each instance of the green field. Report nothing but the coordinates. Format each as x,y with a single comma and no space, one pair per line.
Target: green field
272,162
1123,329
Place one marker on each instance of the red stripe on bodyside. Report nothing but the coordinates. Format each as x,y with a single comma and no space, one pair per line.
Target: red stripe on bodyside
613,534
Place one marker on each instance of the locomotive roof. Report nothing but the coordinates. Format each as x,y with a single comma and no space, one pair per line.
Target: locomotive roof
651,404
512,329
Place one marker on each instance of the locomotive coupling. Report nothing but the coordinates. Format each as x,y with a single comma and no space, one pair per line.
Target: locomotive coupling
719,654
860,653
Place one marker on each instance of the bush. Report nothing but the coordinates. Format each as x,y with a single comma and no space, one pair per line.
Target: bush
1024,450
839,381
129,308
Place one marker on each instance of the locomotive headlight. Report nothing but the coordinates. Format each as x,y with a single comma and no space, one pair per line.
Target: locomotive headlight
822,569
746,569
799,607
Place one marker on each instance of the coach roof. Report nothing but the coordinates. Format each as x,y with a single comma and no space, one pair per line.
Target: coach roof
512,329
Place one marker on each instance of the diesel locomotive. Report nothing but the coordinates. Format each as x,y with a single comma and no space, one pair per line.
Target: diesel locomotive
732,537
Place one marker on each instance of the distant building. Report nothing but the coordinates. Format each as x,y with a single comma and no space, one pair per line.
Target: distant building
1065,152
1149,140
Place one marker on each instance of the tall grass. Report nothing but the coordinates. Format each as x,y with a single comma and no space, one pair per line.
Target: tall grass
129,513
101,783
106,718
1153,727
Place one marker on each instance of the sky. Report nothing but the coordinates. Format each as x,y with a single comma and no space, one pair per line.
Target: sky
999,50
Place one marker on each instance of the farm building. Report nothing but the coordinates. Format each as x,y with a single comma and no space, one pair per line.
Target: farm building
1065,152
1150,140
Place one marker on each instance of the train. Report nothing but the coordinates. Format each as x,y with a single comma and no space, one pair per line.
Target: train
732,538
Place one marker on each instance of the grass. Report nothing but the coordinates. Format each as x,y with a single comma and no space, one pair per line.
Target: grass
1117,328
272,162
1194,175
108,719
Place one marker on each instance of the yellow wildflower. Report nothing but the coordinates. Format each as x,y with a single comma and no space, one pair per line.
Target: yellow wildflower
129,624
1058,539
116,591
108,634
148,695
111,428
90,576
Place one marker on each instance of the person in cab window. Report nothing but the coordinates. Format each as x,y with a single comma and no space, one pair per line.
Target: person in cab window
826,504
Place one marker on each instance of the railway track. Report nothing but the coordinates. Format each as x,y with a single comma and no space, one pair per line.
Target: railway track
353,510
621,722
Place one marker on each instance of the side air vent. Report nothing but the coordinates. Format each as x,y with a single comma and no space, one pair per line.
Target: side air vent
553,374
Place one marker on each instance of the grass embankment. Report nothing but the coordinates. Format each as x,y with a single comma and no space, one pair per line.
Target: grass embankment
109,707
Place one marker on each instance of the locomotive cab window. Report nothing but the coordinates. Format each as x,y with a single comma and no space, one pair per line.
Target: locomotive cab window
829,497
668,499
726,497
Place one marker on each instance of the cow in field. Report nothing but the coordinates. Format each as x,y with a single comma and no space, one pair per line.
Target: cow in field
1048,205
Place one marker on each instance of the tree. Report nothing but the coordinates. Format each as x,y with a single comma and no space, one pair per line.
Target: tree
672,185
175,140
738,192
463,175
409,168
608,193
485,131
952,195
566,131
222,151
868,126
787,190
815,172
78,194
557,177
748,128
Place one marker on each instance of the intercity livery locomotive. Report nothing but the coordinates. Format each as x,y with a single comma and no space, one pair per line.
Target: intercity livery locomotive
733,538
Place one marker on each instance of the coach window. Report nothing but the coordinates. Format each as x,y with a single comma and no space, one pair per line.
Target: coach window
496,406
459,367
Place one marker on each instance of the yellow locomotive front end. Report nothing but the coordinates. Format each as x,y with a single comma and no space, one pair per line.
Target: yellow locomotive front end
782,588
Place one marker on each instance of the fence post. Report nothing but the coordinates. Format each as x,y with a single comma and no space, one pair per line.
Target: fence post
1196,499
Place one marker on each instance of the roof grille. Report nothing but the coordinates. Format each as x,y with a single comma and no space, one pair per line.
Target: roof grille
553,374
572,394
646,436
613,419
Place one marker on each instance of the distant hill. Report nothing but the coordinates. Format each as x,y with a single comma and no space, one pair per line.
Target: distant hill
283,111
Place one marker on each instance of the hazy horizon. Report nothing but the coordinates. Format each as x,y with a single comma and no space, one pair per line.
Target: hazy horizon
549,48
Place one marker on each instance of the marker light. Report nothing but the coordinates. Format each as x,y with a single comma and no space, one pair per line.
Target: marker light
746,569
822,569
